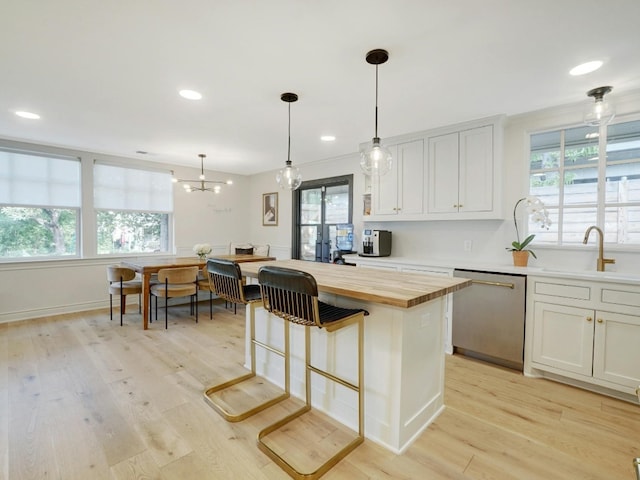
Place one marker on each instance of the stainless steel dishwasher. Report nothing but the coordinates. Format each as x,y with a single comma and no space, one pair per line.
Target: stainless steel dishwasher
488,317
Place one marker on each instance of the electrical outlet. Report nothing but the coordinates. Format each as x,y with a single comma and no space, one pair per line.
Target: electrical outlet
468,245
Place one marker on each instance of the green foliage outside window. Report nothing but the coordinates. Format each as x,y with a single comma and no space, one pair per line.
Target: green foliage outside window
131,232
30,232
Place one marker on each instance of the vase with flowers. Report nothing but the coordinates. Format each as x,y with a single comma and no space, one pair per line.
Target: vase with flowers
202,250
539,214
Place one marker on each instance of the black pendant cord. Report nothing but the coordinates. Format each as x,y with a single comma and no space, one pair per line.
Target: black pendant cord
376,128
289,139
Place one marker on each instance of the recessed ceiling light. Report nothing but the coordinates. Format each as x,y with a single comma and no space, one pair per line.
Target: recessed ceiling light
190,94
29,115
585,68
328,138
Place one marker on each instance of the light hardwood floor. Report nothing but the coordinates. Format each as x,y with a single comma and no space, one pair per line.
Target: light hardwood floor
83,398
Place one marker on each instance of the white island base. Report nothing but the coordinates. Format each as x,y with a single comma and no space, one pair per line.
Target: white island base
404,367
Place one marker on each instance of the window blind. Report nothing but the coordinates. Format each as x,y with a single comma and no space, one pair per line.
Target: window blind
36,180
134,189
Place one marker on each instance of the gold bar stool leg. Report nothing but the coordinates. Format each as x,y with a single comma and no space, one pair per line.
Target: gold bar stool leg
300,305
221,407
226,279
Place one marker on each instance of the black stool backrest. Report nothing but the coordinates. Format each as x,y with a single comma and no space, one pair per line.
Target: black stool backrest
290,294
226,279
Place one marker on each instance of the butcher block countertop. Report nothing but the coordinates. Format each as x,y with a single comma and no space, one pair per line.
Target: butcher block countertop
398,289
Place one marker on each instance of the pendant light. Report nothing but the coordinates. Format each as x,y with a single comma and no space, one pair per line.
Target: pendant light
201,185
602,112
289,177
376,159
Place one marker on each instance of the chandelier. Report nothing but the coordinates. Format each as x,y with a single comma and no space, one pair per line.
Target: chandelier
201,185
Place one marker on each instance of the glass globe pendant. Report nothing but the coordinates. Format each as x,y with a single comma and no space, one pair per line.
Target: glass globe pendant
603,111
376,159
289,177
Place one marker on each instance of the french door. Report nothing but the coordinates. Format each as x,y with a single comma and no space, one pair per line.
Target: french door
319,206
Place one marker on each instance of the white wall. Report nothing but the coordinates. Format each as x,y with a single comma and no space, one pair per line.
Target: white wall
44,288
37,289
445,239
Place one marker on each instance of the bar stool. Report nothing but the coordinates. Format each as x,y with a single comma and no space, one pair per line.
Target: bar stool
226,282
293,295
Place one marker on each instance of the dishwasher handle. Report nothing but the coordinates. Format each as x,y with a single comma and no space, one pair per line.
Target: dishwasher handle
494,284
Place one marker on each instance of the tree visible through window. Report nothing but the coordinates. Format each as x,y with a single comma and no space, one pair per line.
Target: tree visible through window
582,187
132,209
39,205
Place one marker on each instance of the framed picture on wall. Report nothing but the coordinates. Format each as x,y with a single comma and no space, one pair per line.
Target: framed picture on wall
270,209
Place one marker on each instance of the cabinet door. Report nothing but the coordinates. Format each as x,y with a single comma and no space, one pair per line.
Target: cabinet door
616,350
563,337
476,170
443,174
385,188
411,178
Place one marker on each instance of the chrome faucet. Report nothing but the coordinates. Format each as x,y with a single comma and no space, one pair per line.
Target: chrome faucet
601,260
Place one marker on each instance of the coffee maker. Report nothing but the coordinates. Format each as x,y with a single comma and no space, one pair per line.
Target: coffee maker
376,243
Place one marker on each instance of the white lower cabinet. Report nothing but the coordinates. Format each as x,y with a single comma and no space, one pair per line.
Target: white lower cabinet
588,331
553,325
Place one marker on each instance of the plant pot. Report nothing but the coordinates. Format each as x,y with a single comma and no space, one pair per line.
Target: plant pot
520,258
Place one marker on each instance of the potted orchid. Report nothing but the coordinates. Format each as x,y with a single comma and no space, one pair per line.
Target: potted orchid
202,250
539,214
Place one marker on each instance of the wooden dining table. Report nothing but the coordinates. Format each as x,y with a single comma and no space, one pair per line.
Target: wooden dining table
148,266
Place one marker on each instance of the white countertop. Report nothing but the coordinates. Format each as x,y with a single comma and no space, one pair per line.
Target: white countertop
591,275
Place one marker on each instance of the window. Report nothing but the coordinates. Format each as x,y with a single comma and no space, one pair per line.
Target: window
320,206
133,207
39,205
586,176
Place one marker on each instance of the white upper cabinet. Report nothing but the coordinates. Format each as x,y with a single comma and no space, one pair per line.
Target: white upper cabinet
463,180
400,192
451,173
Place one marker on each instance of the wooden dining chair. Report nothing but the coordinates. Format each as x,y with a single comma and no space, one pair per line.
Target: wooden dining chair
293,295
176,282
122,282
204,284
227,283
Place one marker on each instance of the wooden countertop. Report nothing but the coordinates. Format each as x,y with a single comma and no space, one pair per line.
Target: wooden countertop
398,289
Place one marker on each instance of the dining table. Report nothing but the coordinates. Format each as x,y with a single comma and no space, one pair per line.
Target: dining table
148,266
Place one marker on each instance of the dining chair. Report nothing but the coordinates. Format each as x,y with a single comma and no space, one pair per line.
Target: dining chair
226,282
204,283
262,250
176,282
293,295
122,282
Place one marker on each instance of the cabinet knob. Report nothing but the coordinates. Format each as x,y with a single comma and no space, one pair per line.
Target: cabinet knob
599,320
456,206
589,319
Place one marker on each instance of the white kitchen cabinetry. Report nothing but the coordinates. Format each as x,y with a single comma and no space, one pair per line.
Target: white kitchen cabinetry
451,173
461,172
400,192
587,331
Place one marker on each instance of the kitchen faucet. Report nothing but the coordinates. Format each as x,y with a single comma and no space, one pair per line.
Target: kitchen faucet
601,260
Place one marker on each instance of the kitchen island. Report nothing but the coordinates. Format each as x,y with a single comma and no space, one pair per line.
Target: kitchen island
403,348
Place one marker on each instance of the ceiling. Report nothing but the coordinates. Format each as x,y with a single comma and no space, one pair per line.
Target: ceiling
105,75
